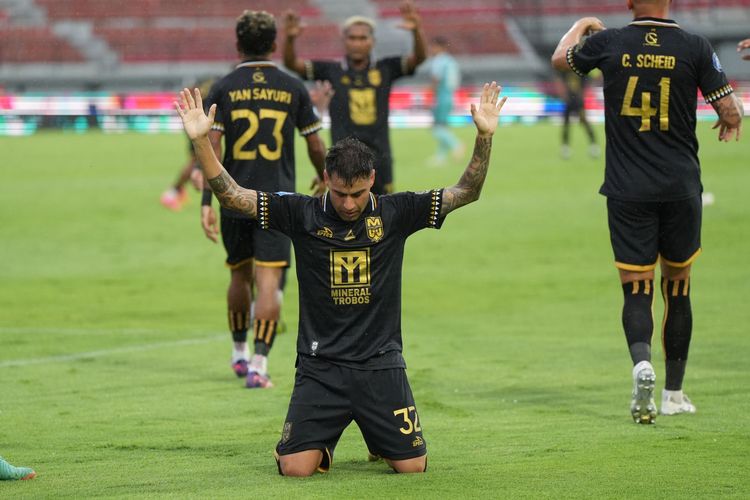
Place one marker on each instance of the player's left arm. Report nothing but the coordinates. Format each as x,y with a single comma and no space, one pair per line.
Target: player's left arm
470,184
581,28
412,22
197,126
316,150
730,111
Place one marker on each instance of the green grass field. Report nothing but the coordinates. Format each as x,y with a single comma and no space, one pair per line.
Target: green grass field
114,376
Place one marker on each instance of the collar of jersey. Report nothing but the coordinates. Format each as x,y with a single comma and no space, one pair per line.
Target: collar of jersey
345,64
329,210
256,64
654,21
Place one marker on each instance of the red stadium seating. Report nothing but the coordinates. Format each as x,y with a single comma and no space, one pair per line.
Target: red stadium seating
20,45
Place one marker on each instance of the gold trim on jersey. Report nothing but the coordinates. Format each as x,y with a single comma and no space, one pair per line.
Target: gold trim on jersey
684,263
718,93
256,64
238,264
218,126
569,58
262,209
650,22
313,127
272,263
635,268
434,216
309,73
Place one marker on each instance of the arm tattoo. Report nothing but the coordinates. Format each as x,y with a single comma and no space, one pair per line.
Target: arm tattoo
470,184
729,109
234,197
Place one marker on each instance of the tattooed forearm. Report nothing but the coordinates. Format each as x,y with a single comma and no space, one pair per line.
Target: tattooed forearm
470,184
232,196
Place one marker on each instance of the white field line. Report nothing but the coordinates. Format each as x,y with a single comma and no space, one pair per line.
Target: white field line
110,352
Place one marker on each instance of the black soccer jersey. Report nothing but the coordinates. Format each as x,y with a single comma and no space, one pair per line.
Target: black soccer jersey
258,108
652,72
359,106
349,273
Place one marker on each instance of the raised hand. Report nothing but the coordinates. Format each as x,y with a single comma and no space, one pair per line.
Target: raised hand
410,17
486,114
292,24
321,95
744,44
196,123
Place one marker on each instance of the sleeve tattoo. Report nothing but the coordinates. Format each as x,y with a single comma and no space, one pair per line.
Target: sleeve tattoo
232,196
470,184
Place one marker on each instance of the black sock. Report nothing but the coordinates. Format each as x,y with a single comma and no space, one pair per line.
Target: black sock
677,331
637,320
239,323
265,333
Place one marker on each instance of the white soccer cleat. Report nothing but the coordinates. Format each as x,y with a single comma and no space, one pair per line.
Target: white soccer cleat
642,406
675,402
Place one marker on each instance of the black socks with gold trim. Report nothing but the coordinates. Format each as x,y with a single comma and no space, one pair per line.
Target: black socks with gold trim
677,330
265,333
239,324
637,318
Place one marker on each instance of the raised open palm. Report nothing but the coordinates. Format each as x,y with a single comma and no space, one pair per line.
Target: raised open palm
486,114
194,120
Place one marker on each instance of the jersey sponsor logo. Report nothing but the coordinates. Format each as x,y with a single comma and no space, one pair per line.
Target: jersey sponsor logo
374,77
350,276
374,227
325,232
259,77
716,63
362,108
652,39
349,236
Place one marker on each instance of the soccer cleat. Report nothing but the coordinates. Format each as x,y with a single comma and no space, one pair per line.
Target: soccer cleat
565,152
594,151
11,473
642,406
240,368
257,380
675,402
174,199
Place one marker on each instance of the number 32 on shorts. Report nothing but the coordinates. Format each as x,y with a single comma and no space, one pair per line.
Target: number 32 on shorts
411,424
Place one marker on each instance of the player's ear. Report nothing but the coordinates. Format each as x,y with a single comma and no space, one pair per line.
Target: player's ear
372,178
326,179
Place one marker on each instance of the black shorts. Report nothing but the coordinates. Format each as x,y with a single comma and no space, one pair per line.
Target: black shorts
327,397
641,232
244,241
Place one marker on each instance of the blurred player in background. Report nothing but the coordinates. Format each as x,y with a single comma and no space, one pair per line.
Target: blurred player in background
445,77
362,85
652,72
258,108
744,45
574,87
9,472
349,250
176,196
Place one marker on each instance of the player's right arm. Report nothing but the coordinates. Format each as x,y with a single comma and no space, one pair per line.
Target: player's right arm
582,27
469,186
292,29
197,127
730,111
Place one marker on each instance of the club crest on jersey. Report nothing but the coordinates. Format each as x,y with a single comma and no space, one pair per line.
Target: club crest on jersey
345,80
259,77
325,232
652,39
374,227
374,77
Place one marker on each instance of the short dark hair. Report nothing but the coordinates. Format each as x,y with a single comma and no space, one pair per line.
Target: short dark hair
441,41
256,32
350,159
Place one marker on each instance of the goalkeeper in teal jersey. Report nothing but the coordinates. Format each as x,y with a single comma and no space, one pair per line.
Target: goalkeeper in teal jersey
446,77
10,473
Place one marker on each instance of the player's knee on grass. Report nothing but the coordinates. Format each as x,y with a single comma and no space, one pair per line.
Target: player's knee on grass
409,466
302,464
